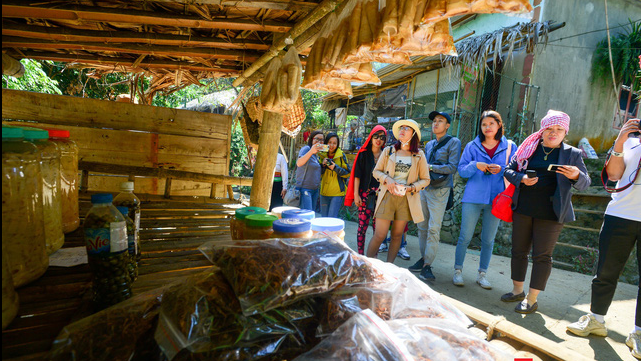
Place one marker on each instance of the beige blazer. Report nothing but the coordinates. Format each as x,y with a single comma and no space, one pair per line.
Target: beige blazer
419,177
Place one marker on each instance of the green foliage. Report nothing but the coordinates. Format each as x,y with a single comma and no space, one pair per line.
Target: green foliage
183,96
34,79
626,48
238,166
314,116
84,83
586,263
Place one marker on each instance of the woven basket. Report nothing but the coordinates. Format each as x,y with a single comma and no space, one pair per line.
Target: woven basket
292,120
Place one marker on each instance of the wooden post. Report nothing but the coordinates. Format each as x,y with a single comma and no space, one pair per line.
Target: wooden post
214,187
266,160
230,192
84,181
168,188
11,66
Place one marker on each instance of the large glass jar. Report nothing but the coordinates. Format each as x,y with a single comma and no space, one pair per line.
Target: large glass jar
292,228
23,235
128,199
9,295
329,226
132,244
51,200
237,222
259,226
105,231
68,178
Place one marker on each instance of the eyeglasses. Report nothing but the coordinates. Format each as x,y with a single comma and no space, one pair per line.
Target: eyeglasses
318,139
404,128
377,136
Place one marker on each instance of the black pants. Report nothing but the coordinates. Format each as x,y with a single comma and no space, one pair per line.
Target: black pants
277,200
616,241
540,236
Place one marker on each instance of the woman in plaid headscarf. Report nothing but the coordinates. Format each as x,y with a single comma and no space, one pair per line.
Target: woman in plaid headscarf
541,204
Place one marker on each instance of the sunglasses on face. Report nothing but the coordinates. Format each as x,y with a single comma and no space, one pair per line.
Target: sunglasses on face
377,136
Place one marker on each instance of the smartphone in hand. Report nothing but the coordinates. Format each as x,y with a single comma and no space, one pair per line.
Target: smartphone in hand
554,167
530,173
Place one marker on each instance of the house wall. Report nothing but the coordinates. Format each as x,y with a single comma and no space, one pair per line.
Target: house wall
562,69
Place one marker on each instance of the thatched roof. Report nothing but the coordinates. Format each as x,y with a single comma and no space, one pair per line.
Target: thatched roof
177,42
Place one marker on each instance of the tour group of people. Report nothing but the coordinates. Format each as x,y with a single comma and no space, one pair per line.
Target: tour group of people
392,185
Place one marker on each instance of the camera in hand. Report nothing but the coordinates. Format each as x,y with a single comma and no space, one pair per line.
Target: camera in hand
636,134
530,173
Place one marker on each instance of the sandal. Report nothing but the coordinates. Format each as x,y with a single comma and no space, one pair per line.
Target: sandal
525,308
511,297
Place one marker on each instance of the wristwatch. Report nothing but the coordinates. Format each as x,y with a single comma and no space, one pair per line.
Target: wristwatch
617,154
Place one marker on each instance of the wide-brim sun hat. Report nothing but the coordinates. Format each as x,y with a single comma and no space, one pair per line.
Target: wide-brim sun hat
409,122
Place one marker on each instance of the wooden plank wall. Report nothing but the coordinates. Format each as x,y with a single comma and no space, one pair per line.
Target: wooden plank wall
149,138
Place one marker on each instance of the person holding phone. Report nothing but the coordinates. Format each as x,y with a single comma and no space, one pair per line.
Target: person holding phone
483,162
402,172
542,203
362,185
308,171
620,232
334,175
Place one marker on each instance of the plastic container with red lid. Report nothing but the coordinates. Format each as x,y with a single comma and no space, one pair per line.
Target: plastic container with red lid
68,178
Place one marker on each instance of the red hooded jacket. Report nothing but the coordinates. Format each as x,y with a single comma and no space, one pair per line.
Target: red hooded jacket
349,196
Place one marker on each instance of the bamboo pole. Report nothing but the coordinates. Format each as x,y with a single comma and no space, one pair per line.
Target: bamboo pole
266,159
11,66
325,7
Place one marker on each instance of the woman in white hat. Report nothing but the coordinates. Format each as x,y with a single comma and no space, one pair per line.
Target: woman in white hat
402,172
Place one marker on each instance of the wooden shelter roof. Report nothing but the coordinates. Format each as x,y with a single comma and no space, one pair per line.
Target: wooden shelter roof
176,42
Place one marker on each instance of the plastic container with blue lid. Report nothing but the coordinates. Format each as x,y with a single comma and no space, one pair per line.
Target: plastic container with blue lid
278,211
299,213
329,226
292,228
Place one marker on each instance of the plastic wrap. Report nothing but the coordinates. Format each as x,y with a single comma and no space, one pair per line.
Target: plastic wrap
437,10
440,340
23,234
363,337
121,332
272,273
269,93
201,319
288,80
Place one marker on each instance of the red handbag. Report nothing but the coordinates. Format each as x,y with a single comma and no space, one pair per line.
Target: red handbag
502,204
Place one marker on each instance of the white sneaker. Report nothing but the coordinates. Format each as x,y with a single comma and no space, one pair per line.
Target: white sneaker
483,282
587,325
634,342
402,253
458,278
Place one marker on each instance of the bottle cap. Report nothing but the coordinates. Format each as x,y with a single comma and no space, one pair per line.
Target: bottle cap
127,186
34,133
12,133
123,210
58,133
292,225
102,198
327,224
279,210
299,213
241,213
260,220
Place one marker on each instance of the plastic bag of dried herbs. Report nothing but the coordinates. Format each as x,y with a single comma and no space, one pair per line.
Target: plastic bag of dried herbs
364,336
121,332
272,273
442,340
201,319
400,295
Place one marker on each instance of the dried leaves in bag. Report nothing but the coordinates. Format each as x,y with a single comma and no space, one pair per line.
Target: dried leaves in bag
272,273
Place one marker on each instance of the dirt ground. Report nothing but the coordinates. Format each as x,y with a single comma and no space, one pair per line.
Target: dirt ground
566,298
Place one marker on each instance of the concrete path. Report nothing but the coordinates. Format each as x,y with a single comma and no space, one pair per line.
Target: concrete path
566,298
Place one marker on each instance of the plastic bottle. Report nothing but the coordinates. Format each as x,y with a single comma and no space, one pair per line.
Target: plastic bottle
51,199
68,178
23,234
132,244
105,231
128,199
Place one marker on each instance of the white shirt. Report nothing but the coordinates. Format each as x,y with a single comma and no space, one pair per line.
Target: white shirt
281,167
402,169
627,204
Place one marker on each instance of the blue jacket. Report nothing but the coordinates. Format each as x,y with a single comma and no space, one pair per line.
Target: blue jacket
482,188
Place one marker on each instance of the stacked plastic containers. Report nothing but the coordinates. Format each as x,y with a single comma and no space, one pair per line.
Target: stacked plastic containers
69,178
105,233
23,231
237,222
51,198
292,228
128,199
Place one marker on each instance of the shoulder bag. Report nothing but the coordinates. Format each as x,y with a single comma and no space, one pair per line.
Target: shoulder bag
438,179
502,203
292,197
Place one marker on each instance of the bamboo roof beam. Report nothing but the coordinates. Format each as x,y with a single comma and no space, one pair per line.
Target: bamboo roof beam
125,63
288,5
312,18
38,10
68,34
173,51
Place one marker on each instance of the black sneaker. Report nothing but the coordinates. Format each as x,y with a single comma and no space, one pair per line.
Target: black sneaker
418,266
426,274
